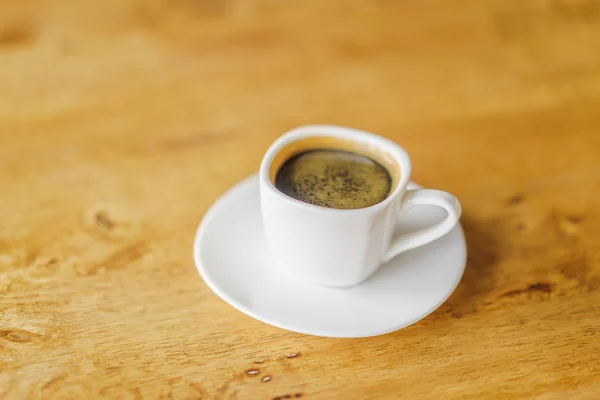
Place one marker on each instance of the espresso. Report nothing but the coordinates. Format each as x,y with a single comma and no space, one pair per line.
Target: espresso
334,178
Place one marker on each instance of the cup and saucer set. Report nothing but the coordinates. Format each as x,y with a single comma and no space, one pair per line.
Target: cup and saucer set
331,271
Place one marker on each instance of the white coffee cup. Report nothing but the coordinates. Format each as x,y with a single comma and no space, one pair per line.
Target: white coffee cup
340,247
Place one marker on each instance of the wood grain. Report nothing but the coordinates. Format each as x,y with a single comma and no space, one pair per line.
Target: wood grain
121,121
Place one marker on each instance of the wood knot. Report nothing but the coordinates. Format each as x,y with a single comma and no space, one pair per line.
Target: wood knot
570,225
16,34
533,288
540,287
107,221
515,199
288,396
104,222
15,336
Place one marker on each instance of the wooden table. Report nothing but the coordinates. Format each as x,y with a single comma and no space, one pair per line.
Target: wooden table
121,121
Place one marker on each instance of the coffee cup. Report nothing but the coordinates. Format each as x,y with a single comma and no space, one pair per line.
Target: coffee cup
340,239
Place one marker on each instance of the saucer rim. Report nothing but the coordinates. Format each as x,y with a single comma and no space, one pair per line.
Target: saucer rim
221,202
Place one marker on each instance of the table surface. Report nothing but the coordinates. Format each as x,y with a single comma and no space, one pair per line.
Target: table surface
121,121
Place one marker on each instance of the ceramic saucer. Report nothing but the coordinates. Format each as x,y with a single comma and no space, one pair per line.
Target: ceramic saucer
232,257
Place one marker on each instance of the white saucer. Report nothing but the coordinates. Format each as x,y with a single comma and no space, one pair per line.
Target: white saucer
231,255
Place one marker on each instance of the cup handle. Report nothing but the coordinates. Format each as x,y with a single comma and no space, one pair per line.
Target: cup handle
423,236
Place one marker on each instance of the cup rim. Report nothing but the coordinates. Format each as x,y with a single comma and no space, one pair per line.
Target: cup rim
339,132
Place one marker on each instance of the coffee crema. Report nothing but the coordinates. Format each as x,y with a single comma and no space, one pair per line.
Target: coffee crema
334,178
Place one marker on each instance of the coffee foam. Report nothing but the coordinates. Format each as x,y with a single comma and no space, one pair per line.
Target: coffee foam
330,143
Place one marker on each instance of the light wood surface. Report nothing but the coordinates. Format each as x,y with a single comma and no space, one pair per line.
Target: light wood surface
121,121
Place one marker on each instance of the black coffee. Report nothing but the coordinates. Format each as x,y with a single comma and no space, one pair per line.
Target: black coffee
334,179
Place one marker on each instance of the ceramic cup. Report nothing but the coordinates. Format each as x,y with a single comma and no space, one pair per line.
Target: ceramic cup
335,247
